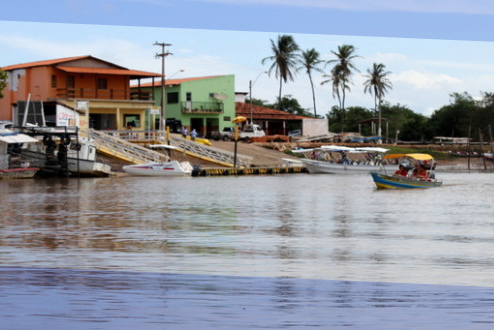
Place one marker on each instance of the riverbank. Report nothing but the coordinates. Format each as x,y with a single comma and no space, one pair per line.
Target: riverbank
272,155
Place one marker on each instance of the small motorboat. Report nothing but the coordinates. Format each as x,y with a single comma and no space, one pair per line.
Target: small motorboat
421,176
171,168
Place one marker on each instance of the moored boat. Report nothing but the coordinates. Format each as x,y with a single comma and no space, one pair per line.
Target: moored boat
12,164
171,168
344,160
421,176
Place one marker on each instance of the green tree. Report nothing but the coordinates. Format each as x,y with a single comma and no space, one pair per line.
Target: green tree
3,81
284,59
291,105
343,70
377,84
310,62
454,119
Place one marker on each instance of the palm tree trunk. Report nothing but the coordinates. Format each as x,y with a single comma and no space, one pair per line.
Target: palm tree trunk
313,95
343,111
279,95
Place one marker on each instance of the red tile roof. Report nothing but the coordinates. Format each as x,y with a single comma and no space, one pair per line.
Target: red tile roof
53,62
258,112
118,72
175,81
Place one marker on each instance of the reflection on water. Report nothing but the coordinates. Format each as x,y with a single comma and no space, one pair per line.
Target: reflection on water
302,226
70,299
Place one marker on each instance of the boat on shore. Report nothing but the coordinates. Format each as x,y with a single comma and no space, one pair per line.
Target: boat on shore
344,160
171,168
422,176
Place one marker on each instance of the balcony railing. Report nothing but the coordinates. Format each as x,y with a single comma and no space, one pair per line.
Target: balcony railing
105,94
201,107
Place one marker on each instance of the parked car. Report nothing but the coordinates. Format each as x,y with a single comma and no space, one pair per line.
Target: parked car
228,133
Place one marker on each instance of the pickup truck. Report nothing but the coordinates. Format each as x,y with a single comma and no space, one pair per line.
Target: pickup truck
227,134
251,131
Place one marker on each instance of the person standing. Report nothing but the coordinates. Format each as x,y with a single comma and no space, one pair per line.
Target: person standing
193,134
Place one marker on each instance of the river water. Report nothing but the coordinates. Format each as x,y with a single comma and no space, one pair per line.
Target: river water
250,231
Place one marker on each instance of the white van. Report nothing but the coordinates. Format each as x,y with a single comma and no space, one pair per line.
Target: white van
250,131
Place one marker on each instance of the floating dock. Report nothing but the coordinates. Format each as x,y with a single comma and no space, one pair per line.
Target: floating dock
249,171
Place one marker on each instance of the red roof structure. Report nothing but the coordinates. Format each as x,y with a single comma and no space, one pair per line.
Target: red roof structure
263,113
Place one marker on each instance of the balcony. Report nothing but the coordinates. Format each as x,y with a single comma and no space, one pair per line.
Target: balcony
103,94
202,107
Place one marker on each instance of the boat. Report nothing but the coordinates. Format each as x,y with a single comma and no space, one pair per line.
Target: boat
12,164
170,168
80,158
488,156
341,159
408,162
467,154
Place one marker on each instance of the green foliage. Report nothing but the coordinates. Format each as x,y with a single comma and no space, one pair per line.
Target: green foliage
3,81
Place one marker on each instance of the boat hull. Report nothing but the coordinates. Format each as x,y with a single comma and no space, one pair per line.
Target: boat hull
172,168
18,173
315,166
384,181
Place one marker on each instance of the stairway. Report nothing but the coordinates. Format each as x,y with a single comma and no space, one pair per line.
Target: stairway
122,149
208,153
134,153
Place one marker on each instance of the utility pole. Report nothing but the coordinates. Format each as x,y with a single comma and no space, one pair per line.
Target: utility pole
163,54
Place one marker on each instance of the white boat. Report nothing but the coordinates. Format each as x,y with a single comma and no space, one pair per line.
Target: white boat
81,158
344,160
171,168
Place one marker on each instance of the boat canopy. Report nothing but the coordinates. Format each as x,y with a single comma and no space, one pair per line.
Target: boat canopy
343,148
413,156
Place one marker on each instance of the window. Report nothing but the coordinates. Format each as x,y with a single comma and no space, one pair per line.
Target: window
102,83
132,120
227,118
70,82
188,96
53,81
172,98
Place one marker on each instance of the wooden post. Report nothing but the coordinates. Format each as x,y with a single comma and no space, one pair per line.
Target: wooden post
490,142
482,148
468,145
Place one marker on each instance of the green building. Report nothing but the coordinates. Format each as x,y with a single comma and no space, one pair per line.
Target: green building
205,104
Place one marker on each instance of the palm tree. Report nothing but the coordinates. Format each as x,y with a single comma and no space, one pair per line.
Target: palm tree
338,82
343,69
377,83
310,62
284,59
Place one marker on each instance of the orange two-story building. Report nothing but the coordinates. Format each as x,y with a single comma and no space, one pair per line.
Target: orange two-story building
79,91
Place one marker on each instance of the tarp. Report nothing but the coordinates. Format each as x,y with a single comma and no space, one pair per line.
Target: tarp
414,156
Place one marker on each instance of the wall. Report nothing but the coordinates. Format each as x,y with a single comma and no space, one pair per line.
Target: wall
314,127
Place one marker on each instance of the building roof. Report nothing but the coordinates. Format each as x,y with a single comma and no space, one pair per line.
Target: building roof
170,82
118,72
54,62
258,112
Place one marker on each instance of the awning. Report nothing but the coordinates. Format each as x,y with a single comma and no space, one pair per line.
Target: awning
16,138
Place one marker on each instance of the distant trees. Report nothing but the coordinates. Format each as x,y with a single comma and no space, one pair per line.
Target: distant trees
3,81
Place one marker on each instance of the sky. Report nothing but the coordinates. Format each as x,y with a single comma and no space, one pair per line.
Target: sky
431,48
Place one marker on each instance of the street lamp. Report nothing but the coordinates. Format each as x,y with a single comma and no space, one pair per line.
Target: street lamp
181,70
251,84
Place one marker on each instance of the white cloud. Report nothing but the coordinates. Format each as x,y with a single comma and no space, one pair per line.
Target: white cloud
424,80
